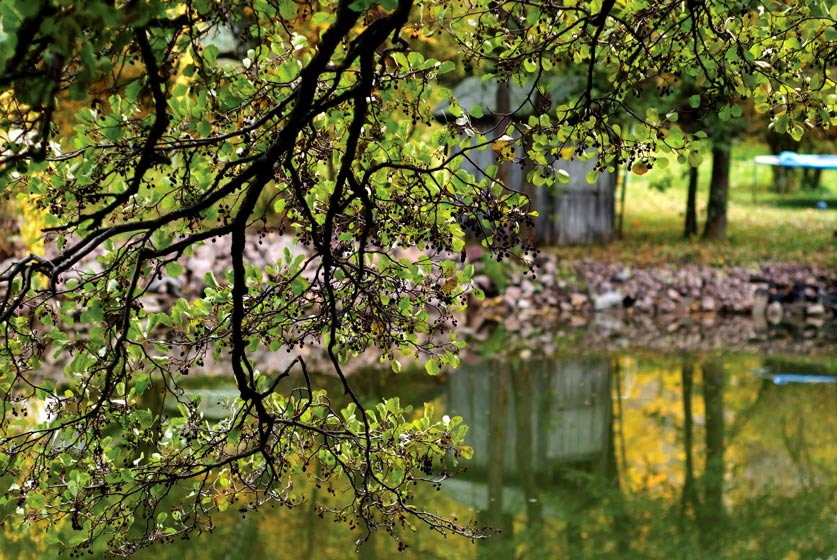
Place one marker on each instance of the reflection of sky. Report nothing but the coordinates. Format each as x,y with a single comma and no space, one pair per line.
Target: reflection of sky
785,378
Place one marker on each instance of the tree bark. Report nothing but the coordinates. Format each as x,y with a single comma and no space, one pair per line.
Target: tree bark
503,116
542,199
785,179
691,225
716,208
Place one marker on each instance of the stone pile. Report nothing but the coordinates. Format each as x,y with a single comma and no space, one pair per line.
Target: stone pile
584,288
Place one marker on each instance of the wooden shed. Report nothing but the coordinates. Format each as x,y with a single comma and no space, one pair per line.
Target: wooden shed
575,213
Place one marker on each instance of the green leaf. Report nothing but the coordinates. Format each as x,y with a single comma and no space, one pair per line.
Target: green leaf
361,5
393,405
780,124
141,382
432,366
173,269
288,9
210,281
204,128
279,205
444,67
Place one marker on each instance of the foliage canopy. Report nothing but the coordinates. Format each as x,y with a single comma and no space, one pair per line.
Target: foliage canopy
138,140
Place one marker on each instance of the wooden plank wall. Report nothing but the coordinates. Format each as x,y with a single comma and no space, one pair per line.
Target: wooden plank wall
576,213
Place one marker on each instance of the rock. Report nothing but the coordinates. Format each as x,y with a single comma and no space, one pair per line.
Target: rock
608,300
644,304
578,300
707,303
665,306
512,323
474,252
166,285
623,275
815,309
528,288
155,305
578,321
775,313
512,296
817,322
608,322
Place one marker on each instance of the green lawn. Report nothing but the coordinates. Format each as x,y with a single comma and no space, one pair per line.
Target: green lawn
763,226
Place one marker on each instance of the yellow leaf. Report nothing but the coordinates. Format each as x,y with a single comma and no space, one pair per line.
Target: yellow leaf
501,143
449,285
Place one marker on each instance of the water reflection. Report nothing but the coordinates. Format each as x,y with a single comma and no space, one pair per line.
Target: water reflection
612,456
587,457
536,427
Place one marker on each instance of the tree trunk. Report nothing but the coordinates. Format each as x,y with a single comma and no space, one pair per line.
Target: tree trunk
811,179
716,209
691,226
503,117
542,232
785,179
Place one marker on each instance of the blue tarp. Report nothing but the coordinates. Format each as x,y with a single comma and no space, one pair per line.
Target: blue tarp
783,377
792,159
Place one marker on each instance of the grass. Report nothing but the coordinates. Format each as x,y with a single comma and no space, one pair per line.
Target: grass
763,226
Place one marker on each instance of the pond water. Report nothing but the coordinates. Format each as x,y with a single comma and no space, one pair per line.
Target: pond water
624,455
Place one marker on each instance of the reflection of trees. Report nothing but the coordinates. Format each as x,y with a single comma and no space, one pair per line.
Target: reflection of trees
494,513
690,497
710,517
708,509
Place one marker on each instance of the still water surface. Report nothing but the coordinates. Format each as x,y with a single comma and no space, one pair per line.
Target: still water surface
608,456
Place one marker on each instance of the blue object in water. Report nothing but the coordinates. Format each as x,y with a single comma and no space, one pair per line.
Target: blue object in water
785,378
